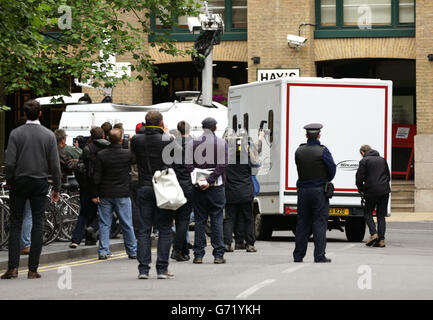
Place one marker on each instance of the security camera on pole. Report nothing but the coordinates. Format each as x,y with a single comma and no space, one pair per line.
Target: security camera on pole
211,27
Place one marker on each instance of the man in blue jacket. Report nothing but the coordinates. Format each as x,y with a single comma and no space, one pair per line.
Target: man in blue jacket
316,168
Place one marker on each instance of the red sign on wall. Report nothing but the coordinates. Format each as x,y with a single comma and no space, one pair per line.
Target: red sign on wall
403,149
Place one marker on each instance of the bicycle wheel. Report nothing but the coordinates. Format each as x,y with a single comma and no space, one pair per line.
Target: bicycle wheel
52,226
69,211
4,224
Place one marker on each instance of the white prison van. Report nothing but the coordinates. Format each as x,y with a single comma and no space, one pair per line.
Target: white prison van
353,112
78,119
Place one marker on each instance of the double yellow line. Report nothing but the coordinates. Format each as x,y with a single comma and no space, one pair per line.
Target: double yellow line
78,263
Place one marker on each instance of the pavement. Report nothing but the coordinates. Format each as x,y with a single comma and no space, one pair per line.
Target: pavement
60,251
401,271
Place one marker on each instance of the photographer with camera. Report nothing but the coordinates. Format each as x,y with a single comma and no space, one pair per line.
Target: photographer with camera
239,194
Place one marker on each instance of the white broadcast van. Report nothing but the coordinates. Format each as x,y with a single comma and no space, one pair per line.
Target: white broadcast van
353,112
79,118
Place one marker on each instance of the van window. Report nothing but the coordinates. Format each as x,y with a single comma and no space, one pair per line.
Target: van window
246,122
271,125
235,123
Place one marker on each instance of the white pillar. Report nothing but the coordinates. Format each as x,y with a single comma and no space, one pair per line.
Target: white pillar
207,80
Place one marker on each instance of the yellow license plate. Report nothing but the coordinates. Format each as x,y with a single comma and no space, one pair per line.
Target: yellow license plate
338,212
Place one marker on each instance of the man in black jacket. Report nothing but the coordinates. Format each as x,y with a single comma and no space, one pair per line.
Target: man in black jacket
112,178
88,190
239,195
372,180
182,215
148,150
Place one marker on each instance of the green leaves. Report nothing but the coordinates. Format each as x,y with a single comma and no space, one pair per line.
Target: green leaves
37,54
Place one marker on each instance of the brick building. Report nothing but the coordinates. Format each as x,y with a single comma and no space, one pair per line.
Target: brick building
387,39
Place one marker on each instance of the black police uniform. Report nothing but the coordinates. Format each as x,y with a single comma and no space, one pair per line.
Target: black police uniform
315,168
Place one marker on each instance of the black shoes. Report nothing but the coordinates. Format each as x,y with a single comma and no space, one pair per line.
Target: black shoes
132,257
323,260
176,255
240,246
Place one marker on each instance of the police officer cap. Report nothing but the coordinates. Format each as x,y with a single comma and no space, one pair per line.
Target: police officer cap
209,123
313,127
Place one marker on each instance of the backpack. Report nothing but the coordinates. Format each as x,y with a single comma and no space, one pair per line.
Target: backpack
93,151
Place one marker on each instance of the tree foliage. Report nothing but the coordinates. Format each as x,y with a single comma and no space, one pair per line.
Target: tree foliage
44,43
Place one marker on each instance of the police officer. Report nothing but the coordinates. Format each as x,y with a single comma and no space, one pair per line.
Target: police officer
315,167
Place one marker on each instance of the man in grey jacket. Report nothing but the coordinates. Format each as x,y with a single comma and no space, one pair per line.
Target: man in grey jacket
31,157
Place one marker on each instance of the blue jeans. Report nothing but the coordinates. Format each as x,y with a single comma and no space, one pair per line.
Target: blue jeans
123,207
207,203
164,221
27,226
313,214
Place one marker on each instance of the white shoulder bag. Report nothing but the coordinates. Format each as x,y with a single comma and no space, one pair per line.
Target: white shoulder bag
168,193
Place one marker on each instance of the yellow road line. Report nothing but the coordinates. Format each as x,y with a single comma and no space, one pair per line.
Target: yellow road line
77,263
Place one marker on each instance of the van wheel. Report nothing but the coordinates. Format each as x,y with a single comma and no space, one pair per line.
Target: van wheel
263,229
355,229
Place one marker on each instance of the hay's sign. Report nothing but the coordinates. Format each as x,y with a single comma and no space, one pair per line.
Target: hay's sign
272,74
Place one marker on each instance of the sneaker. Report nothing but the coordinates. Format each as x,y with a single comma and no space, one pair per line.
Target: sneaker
132,257
165,275
186,257
228,248
219,260
251,249
372,240
105,256
240,246
143,276
73,245
379,244
198,260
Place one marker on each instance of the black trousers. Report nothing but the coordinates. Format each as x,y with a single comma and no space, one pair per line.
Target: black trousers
313,214
34,190
181,218
381,205
240,220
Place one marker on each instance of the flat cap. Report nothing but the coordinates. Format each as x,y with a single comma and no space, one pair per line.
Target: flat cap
209,123
313,127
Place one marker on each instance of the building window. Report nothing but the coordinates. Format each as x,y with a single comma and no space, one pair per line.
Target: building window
366,12
233,12
406,11
328,12
235,123
246,122
271,125
239,14
365,18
